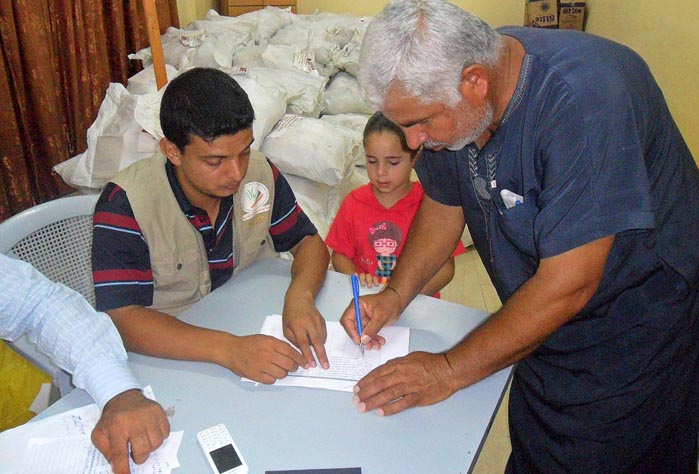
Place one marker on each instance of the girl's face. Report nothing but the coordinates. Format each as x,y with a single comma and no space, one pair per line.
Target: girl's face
388,165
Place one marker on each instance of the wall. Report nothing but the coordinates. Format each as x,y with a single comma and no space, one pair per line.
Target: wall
190,10
664,33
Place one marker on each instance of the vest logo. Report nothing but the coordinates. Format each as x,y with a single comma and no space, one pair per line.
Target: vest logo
255,200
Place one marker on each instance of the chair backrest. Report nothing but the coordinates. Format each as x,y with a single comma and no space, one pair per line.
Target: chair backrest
56,238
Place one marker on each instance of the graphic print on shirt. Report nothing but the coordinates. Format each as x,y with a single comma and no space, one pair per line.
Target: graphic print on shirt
385,237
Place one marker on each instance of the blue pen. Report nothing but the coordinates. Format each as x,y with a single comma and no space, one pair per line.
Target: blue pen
357,313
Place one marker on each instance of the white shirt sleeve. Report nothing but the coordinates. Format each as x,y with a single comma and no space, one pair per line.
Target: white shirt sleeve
66,328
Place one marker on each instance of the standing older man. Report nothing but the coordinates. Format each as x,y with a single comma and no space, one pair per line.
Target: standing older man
559,152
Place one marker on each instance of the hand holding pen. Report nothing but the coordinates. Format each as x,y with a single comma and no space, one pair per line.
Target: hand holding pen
357,312
364,318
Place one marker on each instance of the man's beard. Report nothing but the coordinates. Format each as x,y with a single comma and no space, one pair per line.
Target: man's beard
480,121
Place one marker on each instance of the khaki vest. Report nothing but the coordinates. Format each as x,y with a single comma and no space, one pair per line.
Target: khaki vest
177,253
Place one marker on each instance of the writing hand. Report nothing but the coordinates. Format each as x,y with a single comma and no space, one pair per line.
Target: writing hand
377,311
130,418
418,379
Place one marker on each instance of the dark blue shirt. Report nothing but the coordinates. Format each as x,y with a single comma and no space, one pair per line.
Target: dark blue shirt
588,146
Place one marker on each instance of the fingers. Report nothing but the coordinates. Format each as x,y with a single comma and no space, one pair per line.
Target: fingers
302,343
417,379
319,347
101,442
373,342
407,401
114,446
130,419
141,447
309,332
274,359
348,320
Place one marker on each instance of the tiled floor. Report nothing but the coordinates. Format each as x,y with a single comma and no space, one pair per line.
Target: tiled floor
471,287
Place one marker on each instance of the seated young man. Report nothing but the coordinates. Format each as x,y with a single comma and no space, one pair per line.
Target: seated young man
172,228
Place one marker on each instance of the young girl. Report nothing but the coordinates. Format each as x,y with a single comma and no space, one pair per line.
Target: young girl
370,228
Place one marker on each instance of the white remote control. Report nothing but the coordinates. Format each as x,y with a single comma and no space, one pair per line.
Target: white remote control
221,452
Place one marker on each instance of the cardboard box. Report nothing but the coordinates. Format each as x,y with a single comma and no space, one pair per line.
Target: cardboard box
571,15
542,13
565,14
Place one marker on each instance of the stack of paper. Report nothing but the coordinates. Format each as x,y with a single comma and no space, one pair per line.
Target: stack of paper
347,364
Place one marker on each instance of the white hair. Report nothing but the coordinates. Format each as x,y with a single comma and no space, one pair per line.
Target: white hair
422,46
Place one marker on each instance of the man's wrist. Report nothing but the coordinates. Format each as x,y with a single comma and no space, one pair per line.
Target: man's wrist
397,293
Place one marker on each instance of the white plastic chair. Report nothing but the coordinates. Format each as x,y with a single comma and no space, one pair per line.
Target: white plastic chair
56,238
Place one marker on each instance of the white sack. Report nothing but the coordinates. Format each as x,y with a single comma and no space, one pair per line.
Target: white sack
269,105
311,195
327,34
303,91
275,56
143,82
343,95
269,20
311,148
114,141
249,57
347,58
356,124
184,48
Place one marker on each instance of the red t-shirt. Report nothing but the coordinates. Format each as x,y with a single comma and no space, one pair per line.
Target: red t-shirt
371,235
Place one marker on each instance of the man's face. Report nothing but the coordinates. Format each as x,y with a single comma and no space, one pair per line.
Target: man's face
212,169
436,126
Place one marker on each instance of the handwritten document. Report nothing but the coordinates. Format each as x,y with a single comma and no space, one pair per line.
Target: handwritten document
347,365
62,444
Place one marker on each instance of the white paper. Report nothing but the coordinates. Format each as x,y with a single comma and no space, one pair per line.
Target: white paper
347,365
77,455
33,447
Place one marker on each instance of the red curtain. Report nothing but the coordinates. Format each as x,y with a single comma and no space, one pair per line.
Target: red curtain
57,58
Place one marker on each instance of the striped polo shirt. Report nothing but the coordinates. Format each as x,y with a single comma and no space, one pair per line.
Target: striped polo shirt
121,267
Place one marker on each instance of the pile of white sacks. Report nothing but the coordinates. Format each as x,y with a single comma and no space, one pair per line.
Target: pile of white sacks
299,72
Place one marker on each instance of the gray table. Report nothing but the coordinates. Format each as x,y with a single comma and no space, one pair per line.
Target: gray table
298,428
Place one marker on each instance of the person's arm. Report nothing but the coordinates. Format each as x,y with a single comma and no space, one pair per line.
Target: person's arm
440,279
84,342
257,357
303,324
345,265
342,264
556,293
425,253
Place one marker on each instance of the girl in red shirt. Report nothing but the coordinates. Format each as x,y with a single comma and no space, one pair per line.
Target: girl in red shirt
369,231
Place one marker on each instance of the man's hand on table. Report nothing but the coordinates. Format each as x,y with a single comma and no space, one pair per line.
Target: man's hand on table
305,327
418,379
261,358
130,418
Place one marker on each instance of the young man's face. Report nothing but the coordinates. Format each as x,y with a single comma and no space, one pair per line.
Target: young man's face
211,169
